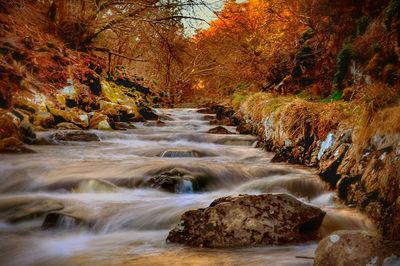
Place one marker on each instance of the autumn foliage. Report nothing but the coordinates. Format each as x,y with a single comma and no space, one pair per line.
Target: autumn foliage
315,48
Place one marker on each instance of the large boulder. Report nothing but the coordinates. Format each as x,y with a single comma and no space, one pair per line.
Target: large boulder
248,220
75,136
356,248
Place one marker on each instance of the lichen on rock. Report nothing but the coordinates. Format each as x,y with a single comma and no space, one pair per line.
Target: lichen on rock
248,220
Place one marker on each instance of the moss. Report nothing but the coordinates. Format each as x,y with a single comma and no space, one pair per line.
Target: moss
343,60
390,12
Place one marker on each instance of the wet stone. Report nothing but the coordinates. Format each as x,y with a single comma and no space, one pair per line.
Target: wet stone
75,136
356,248
177,181
248,220
219,130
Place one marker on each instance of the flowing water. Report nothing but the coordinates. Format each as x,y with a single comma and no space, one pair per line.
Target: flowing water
108,215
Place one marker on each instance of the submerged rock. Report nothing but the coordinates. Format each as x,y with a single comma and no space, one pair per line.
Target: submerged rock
32,210
356,248
123,126
95,185
75,136
205,111
219,130
148,113
178,180
59,220
157,123
181,154
248,220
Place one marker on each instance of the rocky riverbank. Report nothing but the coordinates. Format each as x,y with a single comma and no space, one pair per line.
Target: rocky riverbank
115,107
357,154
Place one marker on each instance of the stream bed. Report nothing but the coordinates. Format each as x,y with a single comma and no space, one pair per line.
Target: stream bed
111,216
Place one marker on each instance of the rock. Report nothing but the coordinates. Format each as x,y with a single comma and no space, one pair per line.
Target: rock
13,145
95,185
123,126
209,117
181,154
219,130
148,113
43,119
358,248
9,125
67,126
100,122
31,210
43,141
178,180
165,117
245,128
11,135
157,123
222,112
75,136
330,162
27,131
224,121
59,220
72,115
205,111
248,220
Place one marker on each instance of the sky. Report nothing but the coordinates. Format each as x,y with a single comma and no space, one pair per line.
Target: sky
205,12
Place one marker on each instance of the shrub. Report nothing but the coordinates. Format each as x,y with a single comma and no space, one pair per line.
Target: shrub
343,60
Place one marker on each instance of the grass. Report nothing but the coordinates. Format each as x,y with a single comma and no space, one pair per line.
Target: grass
295,115
376,115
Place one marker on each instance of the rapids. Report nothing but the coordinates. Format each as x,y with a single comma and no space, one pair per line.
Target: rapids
109,216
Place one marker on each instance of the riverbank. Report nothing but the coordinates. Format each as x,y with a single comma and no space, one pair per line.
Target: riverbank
356,152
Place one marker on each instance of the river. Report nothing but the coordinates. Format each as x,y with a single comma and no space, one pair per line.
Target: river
123,221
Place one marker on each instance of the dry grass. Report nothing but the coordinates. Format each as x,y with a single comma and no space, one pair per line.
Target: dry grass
382,123
296,116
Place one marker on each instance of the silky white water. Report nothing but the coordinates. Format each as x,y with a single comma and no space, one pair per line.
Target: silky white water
124,222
